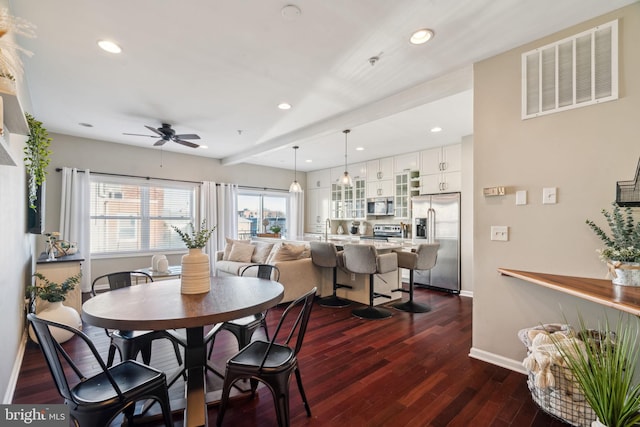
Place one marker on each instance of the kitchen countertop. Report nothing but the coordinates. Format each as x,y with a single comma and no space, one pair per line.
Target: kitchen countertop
341,239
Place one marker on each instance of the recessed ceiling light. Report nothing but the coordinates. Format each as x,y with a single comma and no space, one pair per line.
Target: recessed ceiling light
109,46
284,106
308,161
359,148
436,129
421,36
204,146
87,125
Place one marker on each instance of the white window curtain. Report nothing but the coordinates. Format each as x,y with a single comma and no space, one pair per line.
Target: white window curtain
296,214
74,217
219,206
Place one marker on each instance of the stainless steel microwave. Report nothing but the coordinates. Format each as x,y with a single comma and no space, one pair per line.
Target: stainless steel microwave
380,206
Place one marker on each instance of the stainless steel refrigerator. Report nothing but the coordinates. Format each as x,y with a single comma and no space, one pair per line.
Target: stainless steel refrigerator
436,218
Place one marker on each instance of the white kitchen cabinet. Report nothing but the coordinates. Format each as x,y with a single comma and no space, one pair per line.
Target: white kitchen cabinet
441,159
319,179
383,188
444,182
406,162
358,171
440,169
380,169
407,185
317,200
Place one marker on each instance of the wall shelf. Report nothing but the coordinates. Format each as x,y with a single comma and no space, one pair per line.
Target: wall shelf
14,118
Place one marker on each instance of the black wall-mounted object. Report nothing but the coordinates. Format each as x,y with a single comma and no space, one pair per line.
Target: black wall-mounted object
628,192
35,217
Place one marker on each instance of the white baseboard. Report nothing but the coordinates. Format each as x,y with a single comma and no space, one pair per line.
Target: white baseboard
468,294
494,359
15,372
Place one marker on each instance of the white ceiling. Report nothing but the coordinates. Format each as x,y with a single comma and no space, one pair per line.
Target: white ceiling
219,68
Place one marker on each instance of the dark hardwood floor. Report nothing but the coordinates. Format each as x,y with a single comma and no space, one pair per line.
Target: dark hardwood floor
409,370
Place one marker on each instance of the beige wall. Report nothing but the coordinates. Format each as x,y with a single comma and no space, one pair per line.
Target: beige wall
582,152
101,156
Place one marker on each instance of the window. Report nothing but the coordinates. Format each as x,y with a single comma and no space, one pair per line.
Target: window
130,215
259,211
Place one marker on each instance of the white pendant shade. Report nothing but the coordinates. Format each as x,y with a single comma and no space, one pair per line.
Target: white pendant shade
295,185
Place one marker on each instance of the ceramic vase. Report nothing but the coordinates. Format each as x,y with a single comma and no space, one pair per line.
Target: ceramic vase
57,312
597,423
195,272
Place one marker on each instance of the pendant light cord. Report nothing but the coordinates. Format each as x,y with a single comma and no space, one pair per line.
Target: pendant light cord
346,132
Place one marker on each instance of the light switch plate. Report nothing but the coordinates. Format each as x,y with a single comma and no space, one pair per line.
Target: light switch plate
549,196
500,233
521,197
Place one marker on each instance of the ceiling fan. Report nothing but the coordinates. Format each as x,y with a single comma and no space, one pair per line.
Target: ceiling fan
167,133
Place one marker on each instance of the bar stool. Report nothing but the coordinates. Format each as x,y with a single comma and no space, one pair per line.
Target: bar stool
424,258
325,254
364,259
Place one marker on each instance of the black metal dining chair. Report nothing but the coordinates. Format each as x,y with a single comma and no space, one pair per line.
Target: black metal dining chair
130,343
98,399
272,363
244,327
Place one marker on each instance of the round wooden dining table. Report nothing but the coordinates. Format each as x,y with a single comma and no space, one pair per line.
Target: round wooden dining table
160,306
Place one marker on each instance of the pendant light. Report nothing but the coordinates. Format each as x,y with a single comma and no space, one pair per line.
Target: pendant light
295,185
346,178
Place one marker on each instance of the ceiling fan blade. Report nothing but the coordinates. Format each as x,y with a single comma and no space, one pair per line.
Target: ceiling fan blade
187,143
139,134
154,130
187,136
160,142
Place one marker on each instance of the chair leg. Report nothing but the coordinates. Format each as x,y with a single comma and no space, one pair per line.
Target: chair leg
371,312
411,306
302,394
111,355
334,300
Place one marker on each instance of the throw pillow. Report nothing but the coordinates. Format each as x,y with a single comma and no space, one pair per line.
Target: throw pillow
291,252
260,255
241,252
229,246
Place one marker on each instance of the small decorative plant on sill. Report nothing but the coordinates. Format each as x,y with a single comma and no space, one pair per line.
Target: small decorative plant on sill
195,239
275,229
603,364
622,247
53,292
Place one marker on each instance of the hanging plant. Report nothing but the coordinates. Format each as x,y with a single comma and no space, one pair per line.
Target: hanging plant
36,157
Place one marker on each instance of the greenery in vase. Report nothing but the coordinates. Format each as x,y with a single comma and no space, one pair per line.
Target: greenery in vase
36,156
53,292
624,242
195,239
604,368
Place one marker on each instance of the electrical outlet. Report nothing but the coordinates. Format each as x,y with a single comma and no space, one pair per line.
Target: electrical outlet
521,197
353,277
499,232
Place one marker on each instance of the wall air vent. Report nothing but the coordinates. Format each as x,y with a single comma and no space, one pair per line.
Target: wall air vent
574,72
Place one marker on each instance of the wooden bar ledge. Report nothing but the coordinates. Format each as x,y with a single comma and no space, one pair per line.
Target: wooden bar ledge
601,291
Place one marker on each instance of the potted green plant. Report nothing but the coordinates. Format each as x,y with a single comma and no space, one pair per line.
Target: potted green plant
604,369
195,265
54,294
622,245
36,157
275,229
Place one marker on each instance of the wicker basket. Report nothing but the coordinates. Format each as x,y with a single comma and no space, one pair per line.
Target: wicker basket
564,400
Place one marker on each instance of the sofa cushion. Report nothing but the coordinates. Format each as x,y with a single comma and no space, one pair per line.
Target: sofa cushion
261,254
288,252
241,253
229,246
230,267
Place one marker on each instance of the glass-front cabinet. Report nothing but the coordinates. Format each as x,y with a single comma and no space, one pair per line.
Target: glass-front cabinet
337,201
406,186
359,199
